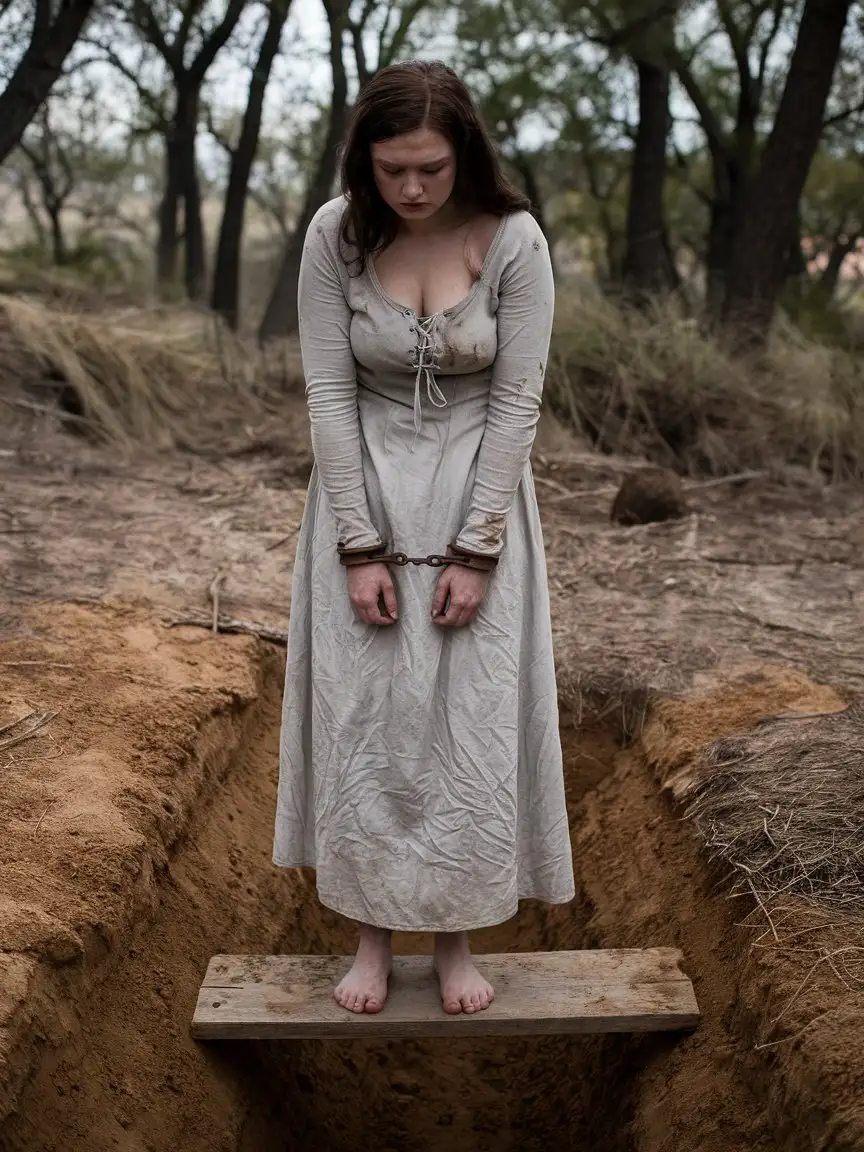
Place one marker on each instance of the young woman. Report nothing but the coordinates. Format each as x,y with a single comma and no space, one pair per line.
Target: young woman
420,766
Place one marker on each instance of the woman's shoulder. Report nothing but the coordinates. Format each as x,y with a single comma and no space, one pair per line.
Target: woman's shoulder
326,224
520,241
521,228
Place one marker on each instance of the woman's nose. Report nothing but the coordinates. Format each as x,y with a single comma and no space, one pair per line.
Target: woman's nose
412,188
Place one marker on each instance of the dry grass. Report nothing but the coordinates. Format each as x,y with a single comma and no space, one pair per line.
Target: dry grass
781,805
134,375
656,385
652,386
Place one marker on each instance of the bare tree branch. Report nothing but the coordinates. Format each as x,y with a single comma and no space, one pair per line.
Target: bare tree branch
190,11
406,18
845,114
617,38
385,27
145,19
738,44
149,99
778,6
710,124
215,41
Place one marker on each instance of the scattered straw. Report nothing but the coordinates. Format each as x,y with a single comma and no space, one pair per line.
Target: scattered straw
782,805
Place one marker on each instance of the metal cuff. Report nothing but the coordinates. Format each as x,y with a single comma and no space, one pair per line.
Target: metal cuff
468,559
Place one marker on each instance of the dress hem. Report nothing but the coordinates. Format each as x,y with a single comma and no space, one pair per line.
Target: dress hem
473,927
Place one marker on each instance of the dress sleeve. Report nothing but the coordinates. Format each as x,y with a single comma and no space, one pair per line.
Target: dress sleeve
331,382
526,302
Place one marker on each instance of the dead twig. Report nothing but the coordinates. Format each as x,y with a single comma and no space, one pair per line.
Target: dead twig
213,592
277,635
799,716
20,720
776,626
45,409
794,1036
719,481
278,544
26,663
37,725
39,821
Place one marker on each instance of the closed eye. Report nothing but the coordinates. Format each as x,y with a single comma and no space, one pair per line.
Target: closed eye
428,171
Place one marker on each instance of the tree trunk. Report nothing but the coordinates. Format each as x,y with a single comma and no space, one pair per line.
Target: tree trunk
40,67
280,317
59,249
185,134
226,277
718,253
647,267
830,277
168,240
758,265
616,248
23,185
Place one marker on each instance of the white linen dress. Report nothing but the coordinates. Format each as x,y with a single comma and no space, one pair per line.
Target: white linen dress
420,766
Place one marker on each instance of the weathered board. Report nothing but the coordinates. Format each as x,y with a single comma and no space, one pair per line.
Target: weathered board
536,993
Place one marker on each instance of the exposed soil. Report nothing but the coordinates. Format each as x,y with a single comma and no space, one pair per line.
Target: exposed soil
138,821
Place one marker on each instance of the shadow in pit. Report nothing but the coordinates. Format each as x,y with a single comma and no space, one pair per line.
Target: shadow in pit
490,1094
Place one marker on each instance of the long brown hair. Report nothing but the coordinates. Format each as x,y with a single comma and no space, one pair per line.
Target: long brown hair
403,98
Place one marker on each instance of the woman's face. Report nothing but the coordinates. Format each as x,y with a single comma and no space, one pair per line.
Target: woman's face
415,173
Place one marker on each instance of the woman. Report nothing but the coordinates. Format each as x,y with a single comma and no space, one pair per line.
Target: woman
420,765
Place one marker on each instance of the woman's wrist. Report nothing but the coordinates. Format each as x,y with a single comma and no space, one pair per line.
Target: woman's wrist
467,559
349,557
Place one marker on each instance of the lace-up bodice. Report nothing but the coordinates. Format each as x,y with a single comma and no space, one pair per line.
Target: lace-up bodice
427,361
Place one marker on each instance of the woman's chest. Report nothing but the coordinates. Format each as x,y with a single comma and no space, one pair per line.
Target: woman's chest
427,279
454,342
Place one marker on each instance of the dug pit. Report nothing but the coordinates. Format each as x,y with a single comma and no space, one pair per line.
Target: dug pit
141,824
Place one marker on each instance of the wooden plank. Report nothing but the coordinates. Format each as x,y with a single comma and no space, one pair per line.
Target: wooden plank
536,993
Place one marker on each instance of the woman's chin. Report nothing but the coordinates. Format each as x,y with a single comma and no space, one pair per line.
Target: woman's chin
415,212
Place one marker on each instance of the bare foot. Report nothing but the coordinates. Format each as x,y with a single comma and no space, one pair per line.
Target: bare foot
364,989
463,989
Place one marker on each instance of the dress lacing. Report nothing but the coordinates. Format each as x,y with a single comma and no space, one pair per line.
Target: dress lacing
427,362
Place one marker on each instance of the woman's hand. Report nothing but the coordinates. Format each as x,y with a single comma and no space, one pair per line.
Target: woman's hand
467,587
367,585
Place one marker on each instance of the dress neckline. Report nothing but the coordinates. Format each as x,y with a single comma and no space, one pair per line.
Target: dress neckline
454,308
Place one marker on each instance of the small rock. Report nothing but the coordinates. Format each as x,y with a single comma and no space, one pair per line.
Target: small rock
649,497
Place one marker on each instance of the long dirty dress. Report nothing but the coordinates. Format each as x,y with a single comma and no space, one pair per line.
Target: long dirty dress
420,765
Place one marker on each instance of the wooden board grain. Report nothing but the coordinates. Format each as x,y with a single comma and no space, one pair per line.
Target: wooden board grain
536,993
